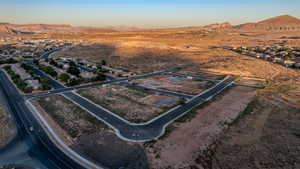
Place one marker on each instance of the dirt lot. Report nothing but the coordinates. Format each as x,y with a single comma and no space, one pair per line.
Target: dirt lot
138,60
88,136
7,130
72,119
180,147
267,136
135,105
7,125
174,83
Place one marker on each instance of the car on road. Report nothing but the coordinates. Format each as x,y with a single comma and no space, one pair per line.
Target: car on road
31,129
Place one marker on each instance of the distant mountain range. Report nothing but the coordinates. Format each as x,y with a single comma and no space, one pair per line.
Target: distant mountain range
279,23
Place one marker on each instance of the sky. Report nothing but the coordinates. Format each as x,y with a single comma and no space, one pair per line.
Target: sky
144,13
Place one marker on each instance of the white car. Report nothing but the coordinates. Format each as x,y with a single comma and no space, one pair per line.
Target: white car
31,128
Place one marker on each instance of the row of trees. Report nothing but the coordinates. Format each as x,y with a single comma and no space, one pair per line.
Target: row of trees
48,69
76,81
45,83
8,61
73,70
21,84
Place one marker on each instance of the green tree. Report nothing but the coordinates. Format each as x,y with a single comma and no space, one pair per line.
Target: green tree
49,70
64,77
45,84
72,64
52,62
73,70
100,77
73,82
7,67
45,81
36,62
103,62
11,61
287,57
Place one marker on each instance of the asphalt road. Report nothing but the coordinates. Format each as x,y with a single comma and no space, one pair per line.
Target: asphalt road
59,88
38,145
147,131
124,129
166,92
216,81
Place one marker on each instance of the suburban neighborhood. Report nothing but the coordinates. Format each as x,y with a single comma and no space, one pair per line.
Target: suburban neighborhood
280,54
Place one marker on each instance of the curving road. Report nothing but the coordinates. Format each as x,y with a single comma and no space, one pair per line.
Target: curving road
36,148
152,129
124,129
30,147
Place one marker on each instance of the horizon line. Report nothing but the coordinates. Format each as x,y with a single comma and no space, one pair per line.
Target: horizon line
141,27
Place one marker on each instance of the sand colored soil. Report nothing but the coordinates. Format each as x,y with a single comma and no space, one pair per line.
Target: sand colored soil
181,85
132,104
179,149
54,125
7,129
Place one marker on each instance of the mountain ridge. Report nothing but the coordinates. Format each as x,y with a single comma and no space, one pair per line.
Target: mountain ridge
278,23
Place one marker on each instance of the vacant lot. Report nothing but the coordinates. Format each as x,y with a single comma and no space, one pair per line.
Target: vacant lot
88,136
128,58
185,138
6,127
134,104
75,121
267,136
174,83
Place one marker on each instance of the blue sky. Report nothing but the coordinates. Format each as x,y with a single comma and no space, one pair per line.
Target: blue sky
142,13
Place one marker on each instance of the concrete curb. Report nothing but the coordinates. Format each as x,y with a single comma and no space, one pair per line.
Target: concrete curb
59,143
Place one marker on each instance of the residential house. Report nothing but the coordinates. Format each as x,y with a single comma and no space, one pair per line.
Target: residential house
35,84
88,75
289,63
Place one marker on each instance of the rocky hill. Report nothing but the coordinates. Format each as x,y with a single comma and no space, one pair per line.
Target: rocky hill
279,23
3,28
57,28
218,26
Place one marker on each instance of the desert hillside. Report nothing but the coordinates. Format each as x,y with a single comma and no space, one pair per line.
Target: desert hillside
3,28
279,23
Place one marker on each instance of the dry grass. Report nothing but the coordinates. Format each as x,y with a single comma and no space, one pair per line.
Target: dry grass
5,127
75,121
133,104
181,85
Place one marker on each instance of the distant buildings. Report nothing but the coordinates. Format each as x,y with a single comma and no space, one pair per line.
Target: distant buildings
35,84
286,56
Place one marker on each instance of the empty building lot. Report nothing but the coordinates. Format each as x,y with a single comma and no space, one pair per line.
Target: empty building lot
175,83
131,103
